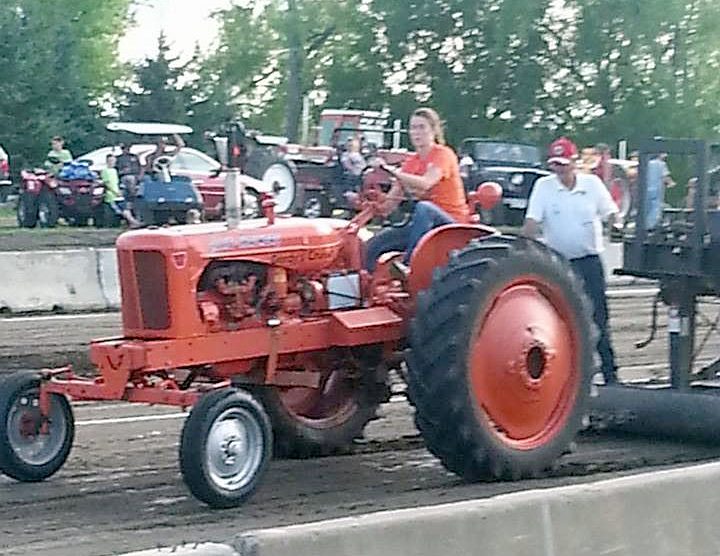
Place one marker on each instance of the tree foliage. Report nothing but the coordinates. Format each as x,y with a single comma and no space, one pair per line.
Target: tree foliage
58,62
600,70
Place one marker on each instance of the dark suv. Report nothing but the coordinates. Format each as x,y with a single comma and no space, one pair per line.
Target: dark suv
515,166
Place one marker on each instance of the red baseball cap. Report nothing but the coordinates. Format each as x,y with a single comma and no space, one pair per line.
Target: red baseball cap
562,151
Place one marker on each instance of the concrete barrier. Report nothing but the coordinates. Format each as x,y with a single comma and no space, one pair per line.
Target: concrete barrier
665,513
48,280
108,276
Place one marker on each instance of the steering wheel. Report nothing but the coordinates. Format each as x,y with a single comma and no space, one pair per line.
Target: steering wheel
376,184
161,165
162,162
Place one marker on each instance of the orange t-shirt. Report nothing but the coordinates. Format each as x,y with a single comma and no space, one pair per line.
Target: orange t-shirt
448,193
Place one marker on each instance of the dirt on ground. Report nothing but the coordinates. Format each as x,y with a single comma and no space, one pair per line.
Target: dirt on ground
13,238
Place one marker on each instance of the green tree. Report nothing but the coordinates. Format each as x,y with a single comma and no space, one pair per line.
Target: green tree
160,90
58,62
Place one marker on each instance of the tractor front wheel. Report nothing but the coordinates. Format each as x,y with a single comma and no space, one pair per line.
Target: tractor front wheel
27,452
502,357
225,448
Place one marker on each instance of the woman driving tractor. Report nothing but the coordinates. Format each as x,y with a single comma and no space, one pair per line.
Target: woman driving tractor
432,176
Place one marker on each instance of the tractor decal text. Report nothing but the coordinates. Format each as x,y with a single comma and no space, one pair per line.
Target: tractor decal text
319,254
251,242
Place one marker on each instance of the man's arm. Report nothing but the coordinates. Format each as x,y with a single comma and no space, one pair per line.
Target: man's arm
534,213
179,144
531,228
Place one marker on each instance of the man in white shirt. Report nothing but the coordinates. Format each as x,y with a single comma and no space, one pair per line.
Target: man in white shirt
570,207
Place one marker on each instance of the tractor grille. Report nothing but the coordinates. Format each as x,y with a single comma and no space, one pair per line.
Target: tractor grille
145,289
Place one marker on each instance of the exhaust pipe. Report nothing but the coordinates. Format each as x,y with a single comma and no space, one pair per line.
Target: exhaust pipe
234,193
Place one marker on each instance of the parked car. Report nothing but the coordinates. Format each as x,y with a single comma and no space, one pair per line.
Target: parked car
5,181
515,166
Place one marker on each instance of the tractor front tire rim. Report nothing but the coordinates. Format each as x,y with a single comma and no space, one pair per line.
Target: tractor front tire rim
24,426
234,449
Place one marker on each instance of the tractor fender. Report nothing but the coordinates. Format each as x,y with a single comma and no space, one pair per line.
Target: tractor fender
434,250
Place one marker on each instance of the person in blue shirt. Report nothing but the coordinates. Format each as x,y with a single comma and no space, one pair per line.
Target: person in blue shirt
658,178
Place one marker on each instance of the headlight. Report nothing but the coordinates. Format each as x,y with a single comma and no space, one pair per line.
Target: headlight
98,190
517,179
65,190
188,199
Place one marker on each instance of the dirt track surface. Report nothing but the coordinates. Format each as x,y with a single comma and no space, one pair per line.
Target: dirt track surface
121,490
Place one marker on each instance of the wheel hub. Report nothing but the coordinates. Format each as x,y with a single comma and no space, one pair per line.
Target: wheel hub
234,450
523,363
29,441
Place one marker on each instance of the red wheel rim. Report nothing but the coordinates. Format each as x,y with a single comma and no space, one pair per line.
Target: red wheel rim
323,408
524,364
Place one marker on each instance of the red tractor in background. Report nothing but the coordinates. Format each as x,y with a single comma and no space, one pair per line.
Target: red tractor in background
281,342
321,178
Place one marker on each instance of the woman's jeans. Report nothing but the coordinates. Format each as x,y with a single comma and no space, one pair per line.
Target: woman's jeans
426,217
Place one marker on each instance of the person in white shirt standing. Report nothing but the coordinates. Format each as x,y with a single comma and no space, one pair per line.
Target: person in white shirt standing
568,209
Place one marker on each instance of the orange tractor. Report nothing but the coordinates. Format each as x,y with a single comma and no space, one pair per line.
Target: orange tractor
281,343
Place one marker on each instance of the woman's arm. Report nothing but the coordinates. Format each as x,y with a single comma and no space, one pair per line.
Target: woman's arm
418,186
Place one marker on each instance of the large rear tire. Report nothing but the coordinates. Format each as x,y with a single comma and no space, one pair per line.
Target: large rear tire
502,390
26,452
310,422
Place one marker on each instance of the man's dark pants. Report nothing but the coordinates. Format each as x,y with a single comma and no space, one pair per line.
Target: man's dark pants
590,269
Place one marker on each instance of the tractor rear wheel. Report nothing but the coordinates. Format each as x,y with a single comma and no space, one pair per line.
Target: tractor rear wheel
225,448
310,422
502,391
27,453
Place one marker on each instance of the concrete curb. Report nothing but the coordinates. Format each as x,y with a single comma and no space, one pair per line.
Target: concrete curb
664,513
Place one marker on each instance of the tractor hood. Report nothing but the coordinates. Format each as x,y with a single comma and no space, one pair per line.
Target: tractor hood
309,244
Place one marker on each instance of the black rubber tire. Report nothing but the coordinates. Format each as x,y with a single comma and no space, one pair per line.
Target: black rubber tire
47,204
451,422
301,439
193,444
315,204
27,211
13,387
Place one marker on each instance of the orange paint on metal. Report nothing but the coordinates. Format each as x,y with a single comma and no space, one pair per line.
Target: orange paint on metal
524,363
434,250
